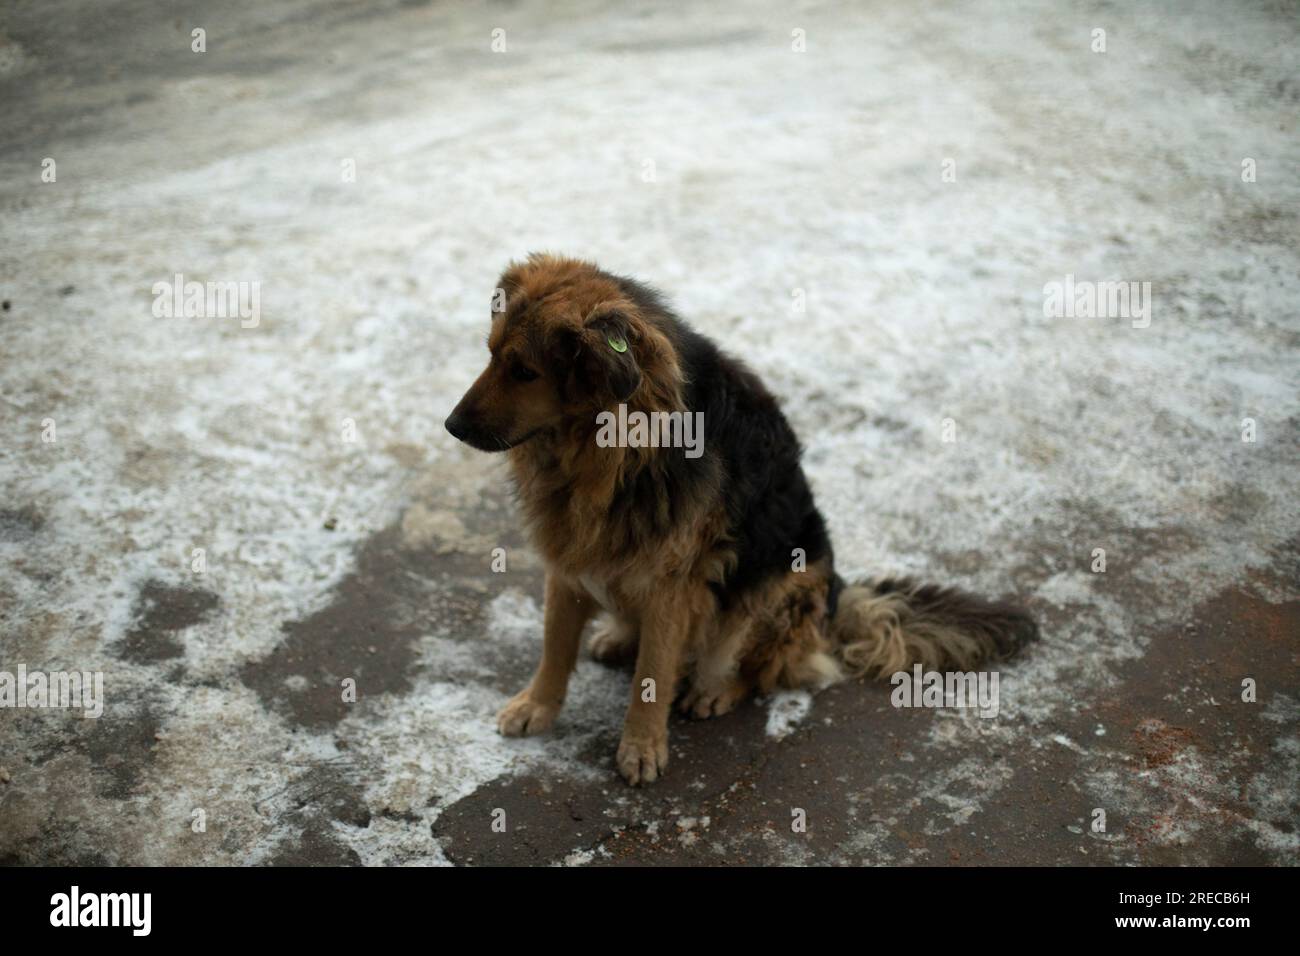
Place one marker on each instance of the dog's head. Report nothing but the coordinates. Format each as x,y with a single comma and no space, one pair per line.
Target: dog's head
564,343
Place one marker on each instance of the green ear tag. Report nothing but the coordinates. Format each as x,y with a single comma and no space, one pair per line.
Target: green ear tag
616,342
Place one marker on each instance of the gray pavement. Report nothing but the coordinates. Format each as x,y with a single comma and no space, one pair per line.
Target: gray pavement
229,519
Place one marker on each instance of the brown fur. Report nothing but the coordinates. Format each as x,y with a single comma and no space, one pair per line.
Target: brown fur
654,565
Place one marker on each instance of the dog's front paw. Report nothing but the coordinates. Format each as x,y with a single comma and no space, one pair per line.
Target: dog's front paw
523,716
642,759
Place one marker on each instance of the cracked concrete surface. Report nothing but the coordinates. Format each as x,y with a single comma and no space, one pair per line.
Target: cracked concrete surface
697,150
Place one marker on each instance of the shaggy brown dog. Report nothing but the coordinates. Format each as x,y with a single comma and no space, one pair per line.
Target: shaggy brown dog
711,564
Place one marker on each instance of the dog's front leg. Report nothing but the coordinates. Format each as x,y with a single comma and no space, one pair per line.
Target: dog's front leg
533,709
665,626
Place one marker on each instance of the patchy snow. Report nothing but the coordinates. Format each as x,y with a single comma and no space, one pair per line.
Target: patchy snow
786,710
815,181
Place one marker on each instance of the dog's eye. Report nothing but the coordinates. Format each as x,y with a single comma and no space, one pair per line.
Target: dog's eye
522,373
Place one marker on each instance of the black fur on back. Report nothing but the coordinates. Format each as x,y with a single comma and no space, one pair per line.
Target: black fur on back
752,449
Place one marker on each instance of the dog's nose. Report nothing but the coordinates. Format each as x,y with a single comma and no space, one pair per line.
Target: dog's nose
457,426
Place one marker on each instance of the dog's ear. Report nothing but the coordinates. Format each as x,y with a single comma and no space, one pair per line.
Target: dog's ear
604,362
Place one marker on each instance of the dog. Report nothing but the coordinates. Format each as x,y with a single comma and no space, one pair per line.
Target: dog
711,571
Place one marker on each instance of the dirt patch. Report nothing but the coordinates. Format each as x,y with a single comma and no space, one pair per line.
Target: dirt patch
161,612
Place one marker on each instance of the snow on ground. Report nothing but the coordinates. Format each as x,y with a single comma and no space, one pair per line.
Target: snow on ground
792,204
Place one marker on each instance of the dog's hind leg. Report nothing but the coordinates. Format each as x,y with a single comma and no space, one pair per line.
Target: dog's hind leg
716,683
615,640
534,708
715,698
790,648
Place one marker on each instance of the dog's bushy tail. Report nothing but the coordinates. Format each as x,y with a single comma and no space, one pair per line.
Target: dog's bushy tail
882,627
